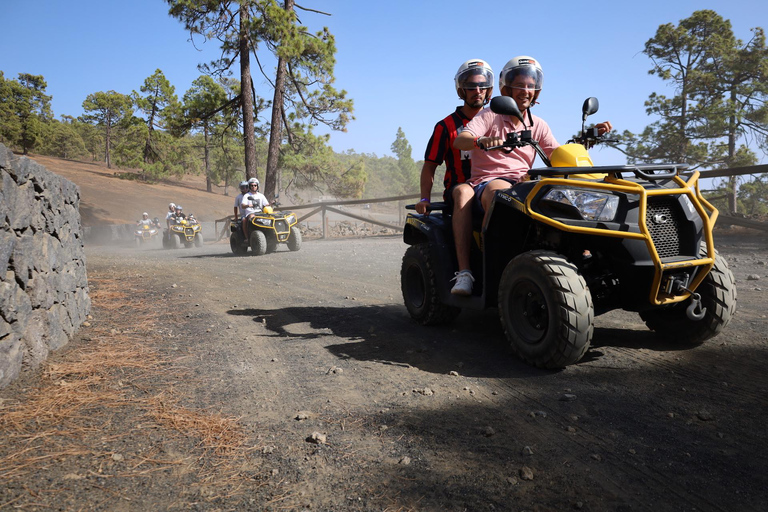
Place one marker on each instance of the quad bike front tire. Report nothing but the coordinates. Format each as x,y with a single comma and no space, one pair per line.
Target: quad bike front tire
271,244
236,244
718,296
173,242
258,243
138,243
418,283
294,241
545,309
199,240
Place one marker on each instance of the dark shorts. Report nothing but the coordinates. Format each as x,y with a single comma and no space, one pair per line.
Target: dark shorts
477,205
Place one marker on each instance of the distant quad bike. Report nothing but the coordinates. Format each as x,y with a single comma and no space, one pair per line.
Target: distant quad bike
146,234
186,232
573,242
265,231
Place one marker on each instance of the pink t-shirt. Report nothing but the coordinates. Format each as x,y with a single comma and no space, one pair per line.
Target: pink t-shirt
489,165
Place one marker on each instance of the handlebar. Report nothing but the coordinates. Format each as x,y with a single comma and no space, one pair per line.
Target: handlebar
441,205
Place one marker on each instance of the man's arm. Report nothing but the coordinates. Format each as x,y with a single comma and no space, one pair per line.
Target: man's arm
467,141
426,181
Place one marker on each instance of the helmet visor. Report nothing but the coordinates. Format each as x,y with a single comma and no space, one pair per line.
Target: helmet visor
475,77
524,77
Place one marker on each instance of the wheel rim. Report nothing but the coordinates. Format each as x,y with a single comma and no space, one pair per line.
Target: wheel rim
529,312
415,286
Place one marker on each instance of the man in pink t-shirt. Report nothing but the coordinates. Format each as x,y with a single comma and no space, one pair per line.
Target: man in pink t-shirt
521,80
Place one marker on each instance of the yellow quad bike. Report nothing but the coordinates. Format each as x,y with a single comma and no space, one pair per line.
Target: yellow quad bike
573,242
183,232
145,234
265,231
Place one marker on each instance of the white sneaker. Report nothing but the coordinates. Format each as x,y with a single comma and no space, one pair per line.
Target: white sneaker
464,280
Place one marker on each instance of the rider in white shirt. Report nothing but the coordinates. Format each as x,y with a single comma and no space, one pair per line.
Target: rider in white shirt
144,220
252,203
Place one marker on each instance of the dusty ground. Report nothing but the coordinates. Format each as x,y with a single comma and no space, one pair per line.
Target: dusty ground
297,381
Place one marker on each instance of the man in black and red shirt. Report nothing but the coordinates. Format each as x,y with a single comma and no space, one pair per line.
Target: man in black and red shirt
474,85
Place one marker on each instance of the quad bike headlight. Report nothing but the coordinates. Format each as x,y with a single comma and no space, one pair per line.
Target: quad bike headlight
291,219
264,222
591,205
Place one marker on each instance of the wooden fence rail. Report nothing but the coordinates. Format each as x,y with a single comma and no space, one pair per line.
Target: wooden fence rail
324,207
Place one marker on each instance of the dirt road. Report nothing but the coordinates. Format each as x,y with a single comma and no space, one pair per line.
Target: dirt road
346,404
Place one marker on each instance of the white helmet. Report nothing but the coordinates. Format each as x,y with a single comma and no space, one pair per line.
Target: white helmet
254,180
472,68
145,214
243,186
522,66
171,206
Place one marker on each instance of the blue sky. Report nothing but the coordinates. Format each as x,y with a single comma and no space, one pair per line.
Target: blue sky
396,59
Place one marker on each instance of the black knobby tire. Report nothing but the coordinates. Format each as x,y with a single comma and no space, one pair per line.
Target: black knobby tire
173,242
258,243
199,240
271,244
294,241
718,295
236,244
546,309
418,284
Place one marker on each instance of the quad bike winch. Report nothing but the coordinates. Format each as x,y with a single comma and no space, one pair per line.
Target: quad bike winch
575,241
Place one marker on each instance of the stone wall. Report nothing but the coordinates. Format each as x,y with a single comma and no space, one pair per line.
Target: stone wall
43,283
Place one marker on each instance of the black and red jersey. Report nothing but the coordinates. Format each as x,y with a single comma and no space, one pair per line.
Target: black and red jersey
458,166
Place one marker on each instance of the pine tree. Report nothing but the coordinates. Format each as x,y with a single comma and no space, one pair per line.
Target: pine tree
107,109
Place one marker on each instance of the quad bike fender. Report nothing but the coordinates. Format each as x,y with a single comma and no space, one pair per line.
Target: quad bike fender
435,230
427,228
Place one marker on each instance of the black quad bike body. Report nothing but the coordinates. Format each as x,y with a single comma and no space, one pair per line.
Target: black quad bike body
265,231
183,232
573,242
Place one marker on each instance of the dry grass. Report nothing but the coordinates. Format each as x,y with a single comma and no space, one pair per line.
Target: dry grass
113,404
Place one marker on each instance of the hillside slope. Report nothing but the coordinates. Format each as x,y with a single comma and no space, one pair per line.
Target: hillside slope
107,199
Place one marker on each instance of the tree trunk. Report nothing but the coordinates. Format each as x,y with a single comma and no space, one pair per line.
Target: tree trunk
733,181
246,96
109,132
207,161
276,128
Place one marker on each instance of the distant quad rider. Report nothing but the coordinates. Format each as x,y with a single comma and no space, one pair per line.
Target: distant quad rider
252,203
178,214
169,217
144,220
239,199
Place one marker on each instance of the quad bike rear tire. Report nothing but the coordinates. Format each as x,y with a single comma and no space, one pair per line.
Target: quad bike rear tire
418,283
294,241
545,309
199,240
236,244
718,296
258,243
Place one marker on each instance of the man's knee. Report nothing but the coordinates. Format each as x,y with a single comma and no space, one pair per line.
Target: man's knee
462,197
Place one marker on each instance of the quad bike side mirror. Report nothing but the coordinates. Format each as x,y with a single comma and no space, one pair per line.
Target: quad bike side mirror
506,106
591,105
